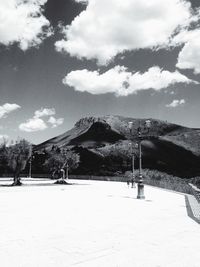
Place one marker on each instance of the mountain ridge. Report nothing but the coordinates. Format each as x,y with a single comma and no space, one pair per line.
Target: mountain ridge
103,144
118,124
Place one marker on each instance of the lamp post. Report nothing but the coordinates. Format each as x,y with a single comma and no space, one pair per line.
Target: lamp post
133,170
140,194
30,161
133,157
140,135
67,172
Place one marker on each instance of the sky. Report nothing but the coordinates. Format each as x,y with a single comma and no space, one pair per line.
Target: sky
61,60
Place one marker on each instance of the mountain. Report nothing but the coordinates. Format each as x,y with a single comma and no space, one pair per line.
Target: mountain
104,145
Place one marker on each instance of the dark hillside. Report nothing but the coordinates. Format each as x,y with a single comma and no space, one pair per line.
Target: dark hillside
103,145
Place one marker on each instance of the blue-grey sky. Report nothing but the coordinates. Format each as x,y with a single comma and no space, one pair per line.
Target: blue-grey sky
61,60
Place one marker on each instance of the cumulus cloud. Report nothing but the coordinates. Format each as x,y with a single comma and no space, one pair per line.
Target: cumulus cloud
55,122
189,56
81,1
120,81
33,125
107,28
175,103
44,112
23,22
40,121
7,108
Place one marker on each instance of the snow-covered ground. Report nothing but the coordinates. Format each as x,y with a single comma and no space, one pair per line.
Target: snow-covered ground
95,224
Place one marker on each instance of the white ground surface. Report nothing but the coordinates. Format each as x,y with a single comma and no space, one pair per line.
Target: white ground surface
95,224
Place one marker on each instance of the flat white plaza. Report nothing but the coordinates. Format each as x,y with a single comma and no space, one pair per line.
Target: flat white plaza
95,224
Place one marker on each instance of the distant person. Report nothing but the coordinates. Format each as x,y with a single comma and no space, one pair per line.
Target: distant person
128,183
132,183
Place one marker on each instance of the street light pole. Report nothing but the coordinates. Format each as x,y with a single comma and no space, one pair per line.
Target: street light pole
140,194
140,185
133,158
133,169
67,171
30,162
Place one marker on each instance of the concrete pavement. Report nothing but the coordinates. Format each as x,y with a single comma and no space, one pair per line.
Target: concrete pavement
93,224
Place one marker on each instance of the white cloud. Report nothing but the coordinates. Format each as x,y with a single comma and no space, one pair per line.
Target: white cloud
122,82
175,103
55,122
22,22
7,108
107,28
44,112
33,125
82,1
189,56
40,120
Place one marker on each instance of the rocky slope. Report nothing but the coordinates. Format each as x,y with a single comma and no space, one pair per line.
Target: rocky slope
104,145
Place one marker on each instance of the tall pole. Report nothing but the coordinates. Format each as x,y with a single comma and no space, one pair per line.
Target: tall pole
140,182
67,172
140,185
140,159
133,168
130,124
30,163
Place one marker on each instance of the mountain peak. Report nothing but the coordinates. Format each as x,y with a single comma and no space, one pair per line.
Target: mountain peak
92,129
87,121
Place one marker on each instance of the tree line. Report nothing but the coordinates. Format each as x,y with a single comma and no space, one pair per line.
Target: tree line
17,157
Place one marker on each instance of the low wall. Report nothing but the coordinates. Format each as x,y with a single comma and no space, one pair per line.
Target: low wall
100,178
175,184
195,191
